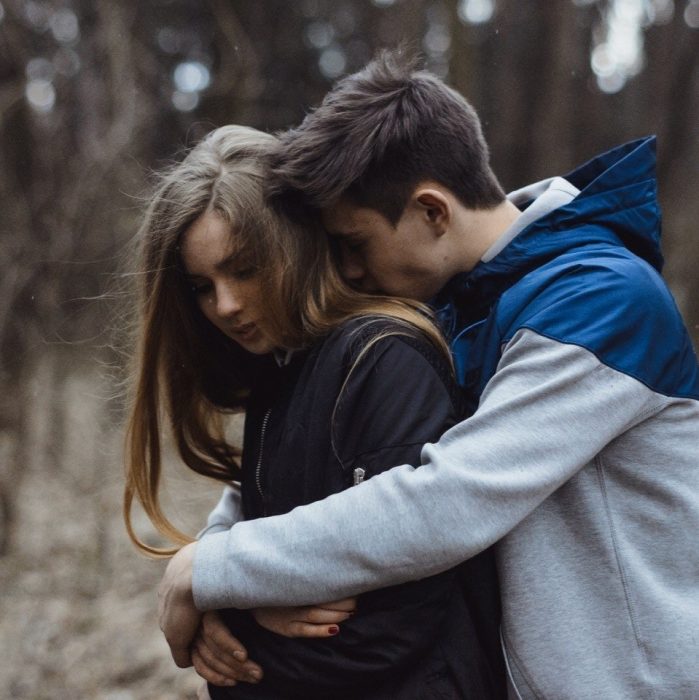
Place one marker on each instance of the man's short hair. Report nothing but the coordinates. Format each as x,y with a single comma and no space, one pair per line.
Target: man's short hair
376,135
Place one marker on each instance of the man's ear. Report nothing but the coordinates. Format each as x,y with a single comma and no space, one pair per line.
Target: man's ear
435,207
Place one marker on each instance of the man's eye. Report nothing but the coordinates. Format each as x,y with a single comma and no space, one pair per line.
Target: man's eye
354,245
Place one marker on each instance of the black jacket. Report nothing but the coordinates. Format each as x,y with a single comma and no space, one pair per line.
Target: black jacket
310,425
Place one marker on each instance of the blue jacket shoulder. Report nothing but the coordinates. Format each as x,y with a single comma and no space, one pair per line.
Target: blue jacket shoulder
615,305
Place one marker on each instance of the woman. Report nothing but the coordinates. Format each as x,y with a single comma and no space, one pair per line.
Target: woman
243,310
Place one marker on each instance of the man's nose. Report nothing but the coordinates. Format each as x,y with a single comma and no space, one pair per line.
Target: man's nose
351,267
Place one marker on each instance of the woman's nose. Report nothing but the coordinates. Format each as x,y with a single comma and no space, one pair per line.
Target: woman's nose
228,301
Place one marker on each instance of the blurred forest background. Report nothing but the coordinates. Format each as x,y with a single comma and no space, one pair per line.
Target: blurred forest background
96,94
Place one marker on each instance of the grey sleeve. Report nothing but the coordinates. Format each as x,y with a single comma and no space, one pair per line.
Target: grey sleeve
547,411
228,512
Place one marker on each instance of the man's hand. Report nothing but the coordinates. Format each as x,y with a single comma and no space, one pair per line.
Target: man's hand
178,617
306,621
219,657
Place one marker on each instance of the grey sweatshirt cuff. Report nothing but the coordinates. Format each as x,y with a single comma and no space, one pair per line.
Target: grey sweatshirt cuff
208,570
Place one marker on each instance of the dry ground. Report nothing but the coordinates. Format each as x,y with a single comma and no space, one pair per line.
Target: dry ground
78,609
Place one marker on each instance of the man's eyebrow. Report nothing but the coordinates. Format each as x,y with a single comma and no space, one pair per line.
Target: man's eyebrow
342,234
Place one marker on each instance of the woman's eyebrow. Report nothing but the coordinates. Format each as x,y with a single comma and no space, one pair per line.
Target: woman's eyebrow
227,261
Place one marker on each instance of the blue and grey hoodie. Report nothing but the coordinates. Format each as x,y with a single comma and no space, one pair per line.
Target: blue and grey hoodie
580,460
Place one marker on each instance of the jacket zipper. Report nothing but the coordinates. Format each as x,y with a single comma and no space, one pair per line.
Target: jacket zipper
358,476
258,469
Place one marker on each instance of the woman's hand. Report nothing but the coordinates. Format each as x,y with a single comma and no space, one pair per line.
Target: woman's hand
306,621
219,657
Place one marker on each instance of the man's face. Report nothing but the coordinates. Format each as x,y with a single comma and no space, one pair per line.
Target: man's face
376,257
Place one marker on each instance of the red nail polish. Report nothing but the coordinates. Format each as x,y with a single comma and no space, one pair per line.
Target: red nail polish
333,629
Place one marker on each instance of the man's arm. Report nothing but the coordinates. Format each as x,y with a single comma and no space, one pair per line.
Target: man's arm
548,410
206,642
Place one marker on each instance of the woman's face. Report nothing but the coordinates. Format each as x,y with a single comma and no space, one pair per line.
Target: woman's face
227,288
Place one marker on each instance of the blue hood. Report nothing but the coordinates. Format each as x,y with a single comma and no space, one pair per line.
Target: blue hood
617,204
618,190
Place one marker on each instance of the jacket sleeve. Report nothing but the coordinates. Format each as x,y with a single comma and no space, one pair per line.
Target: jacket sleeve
481,479
228,511
393,402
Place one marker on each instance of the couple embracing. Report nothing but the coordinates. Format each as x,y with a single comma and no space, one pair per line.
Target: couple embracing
471,419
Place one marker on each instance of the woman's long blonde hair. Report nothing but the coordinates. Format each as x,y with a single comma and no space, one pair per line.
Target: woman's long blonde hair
187,373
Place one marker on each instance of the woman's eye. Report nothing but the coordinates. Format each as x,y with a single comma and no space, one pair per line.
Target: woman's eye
200,289
244,273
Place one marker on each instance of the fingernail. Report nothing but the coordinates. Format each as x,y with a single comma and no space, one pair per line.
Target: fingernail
256,674
239,655
333,629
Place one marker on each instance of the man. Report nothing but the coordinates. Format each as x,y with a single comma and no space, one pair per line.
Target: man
580,457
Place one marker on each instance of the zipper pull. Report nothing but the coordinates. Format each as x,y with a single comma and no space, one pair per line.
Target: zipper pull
358,475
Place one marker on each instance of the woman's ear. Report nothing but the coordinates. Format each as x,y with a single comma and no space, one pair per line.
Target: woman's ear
435,207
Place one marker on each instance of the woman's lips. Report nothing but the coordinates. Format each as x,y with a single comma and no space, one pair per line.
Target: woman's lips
244,332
